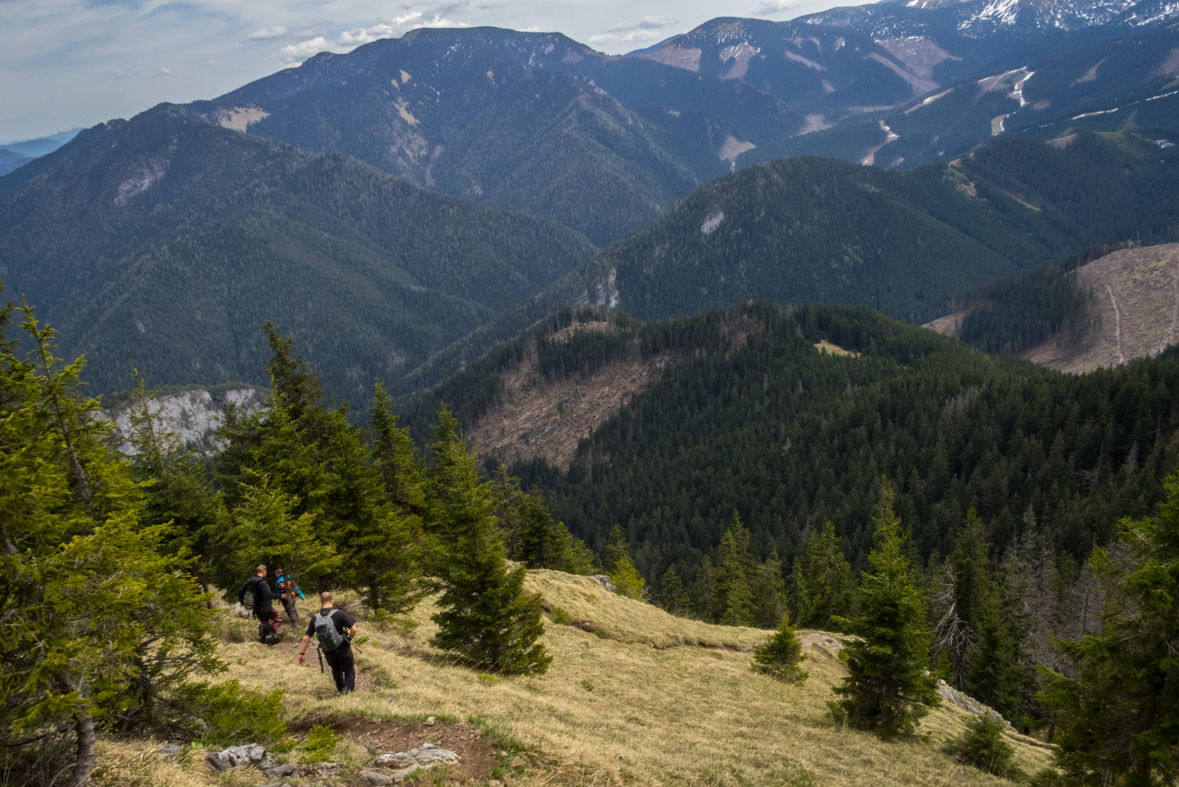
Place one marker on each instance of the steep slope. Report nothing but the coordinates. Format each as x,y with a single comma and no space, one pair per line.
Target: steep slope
1131,310
462,112
166,241
611,709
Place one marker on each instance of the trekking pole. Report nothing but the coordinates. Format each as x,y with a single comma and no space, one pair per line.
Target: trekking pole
319,653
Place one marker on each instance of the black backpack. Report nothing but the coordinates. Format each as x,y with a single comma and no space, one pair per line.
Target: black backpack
252,595
267,634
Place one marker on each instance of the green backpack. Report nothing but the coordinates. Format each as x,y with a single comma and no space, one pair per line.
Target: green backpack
330,639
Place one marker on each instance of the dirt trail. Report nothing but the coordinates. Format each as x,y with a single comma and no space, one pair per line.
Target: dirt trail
1117,324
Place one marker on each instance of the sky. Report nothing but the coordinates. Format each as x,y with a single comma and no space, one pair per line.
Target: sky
71,63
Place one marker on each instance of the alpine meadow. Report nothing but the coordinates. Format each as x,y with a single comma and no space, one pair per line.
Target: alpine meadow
427,397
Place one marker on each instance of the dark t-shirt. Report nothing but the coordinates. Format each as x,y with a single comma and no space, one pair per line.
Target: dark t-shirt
344,622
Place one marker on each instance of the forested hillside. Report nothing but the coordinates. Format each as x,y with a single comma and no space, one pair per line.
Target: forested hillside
463,112
754,418
811,230
166,241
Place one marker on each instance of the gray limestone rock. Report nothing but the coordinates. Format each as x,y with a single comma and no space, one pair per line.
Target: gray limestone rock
286,771
324,770
403,763
375,778
248,754
171,750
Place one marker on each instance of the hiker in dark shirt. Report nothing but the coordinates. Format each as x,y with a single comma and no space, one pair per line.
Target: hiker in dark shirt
263,595
340,659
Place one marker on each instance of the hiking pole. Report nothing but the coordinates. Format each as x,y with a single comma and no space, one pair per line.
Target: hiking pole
319,653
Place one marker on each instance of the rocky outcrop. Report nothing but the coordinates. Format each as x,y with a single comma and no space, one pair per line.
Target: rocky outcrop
967,703
192,416
392,768
248,754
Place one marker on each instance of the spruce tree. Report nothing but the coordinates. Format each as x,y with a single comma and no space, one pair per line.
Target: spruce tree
323,466
888,687
1118,715
395,456
265,529
541,543
733,602
967,596
673,596
769,593
484,613
822,582
1001,672
781,655
101,629
177,490
626,578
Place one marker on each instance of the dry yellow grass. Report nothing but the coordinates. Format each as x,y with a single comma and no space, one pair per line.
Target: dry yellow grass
825,346
612,709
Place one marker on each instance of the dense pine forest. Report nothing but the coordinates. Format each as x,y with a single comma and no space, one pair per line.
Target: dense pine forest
753,418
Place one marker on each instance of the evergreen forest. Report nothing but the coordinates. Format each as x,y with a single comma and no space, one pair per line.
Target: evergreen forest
949,527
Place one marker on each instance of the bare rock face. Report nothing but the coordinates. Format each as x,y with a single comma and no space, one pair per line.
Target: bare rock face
395,766
248,754
967,703
607,583
191,417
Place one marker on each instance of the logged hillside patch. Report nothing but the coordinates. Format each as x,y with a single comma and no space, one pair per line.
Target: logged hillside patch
1126,306
1136,294
544,417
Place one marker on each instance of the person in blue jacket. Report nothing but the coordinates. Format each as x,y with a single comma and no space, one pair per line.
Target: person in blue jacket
289,590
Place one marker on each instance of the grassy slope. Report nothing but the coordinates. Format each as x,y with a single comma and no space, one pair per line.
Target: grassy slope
688,715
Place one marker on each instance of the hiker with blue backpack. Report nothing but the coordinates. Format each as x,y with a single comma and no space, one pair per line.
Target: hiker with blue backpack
334,629
289,590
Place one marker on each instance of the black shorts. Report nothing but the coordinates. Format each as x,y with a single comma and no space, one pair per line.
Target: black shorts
268,616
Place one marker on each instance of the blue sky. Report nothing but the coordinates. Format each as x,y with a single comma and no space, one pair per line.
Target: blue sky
68,63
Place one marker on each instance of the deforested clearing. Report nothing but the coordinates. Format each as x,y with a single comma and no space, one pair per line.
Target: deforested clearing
630,701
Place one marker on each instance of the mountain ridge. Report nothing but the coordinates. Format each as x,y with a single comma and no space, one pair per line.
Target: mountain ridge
169,255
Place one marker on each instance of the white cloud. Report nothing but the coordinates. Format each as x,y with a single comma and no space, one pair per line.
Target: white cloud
278,31
366,35
305,49
633,37
767,7
646,23
350,39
